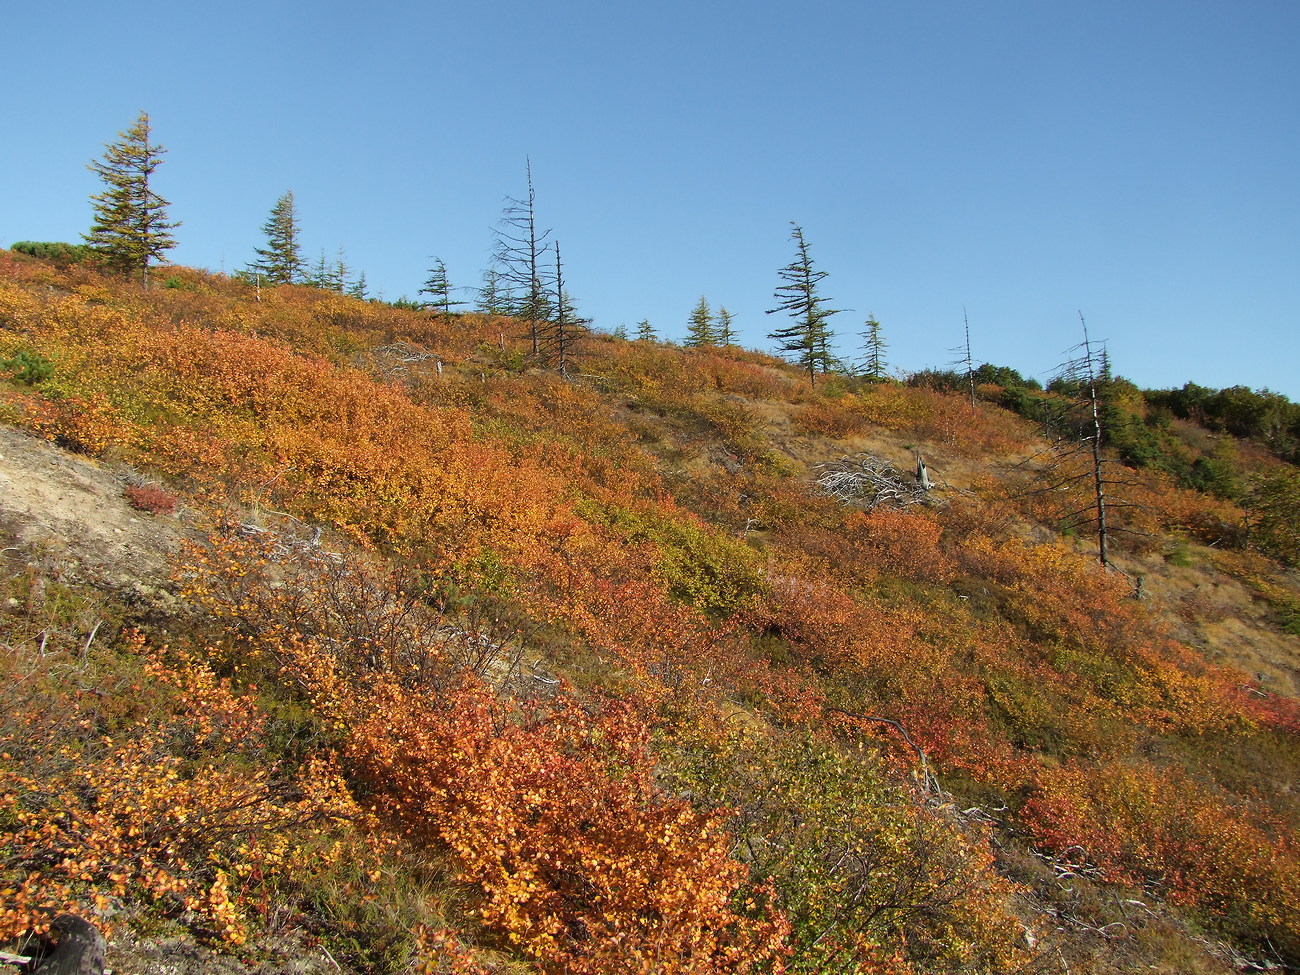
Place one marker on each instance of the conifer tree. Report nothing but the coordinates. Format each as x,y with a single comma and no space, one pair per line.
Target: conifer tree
438,288
280,262
723,333
494,297
809,337
699,330
645,332
130,227
320,276
873,349
358,289
341,273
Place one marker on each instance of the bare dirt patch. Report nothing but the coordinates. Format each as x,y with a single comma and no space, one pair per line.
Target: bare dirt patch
72,510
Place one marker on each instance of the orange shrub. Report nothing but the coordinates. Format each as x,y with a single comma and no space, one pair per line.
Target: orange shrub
555,819
178,804
902,543
829,418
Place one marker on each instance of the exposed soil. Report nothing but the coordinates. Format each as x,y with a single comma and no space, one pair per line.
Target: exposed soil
73,510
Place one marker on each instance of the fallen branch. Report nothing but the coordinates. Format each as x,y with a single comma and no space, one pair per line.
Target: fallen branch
930,784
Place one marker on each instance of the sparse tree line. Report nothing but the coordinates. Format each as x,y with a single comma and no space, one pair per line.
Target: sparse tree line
130,232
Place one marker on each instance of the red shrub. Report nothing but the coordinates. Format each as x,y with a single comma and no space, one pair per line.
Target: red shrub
151,498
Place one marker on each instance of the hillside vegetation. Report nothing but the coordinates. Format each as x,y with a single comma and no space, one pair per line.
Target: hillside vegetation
468,667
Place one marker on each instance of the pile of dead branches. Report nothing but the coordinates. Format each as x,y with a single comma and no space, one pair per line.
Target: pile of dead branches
871,483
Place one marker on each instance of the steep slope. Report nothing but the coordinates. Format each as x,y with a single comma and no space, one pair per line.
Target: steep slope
616,680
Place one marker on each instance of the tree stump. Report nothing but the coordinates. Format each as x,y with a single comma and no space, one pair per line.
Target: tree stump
80,950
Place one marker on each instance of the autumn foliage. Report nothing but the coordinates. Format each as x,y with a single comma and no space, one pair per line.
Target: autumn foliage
103,800
597,655
554,816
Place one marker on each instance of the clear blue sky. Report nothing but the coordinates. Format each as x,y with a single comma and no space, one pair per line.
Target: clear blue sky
1135,159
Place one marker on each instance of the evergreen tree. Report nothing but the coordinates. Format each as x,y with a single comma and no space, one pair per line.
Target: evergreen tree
645,332
520,253
130,227
699,330
723,333
280,262
339,278
358,289
809,336
320,276
620,331
438,288
873,349
494,297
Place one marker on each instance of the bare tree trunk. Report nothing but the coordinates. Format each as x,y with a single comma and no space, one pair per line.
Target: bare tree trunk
1098,482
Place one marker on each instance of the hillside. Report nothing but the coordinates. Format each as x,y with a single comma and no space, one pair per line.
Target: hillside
344,632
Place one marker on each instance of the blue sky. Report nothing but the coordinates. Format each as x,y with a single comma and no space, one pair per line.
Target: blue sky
1138,160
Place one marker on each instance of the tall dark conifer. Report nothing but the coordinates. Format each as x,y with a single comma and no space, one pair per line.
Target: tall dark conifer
438,288
699,330
723,333
130,228
874,345
493,295
280,262
809,337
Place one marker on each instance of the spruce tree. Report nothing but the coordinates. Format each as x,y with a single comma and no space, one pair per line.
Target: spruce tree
645,332
342,272
130,227
873,349
280,262
320,275
809,337
723,333
699,330
438,288
494,297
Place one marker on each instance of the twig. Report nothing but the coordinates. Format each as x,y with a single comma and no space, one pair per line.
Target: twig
326,952
91,639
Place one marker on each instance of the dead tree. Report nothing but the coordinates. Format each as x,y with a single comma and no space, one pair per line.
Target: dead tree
1076,467
399,358
964,359
519,253
566,328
